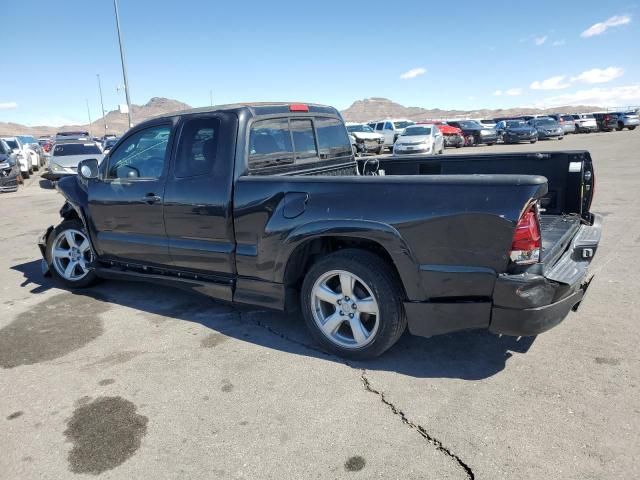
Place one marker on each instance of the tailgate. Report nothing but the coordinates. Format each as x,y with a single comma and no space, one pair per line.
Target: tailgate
571,267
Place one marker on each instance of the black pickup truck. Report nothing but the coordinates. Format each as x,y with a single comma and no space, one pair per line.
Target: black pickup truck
264,204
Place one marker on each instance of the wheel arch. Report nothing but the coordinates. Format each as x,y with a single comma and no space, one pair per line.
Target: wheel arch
308,243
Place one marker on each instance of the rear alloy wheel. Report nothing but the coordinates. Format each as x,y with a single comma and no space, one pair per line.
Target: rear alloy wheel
69,254
352,304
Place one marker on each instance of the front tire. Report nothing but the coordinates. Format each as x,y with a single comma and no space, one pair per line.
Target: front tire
69,253
352,304
632,127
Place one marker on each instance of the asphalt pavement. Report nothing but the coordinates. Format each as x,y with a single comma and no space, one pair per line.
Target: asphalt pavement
126,380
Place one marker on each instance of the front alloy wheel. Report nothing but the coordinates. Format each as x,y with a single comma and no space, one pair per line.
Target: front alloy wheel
69,254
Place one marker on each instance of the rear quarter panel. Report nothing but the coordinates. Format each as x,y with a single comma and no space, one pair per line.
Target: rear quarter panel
422,221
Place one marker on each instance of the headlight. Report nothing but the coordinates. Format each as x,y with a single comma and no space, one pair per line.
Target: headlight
56,168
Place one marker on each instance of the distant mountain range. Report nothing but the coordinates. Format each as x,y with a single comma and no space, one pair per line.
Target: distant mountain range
116,121
374,108
378,108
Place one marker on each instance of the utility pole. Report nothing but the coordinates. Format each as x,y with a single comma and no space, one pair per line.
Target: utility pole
104,119
89,115
211,97
124,68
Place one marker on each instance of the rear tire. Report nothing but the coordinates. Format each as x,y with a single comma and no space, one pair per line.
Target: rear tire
26,175
67,255
368,282
620,126
632,127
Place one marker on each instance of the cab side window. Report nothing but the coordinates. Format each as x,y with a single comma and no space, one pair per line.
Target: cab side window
198,147
388,126
141,155
379,126
270,143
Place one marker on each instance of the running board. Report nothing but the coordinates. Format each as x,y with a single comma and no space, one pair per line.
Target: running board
220,290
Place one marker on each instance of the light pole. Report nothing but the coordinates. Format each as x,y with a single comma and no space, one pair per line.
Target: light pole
89,115
104,119
124,68
211,97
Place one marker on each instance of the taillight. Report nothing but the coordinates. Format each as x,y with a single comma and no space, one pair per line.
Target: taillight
47,147
526,244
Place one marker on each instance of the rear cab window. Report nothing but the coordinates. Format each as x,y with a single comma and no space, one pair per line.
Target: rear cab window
65,149
296,140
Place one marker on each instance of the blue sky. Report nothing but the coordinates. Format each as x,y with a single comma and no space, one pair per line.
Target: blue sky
462,54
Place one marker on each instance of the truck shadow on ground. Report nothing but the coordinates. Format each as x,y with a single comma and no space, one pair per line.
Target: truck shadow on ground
470,355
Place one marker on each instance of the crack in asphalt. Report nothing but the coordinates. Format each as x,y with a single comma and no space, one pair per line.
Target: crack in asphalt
367,386
418,428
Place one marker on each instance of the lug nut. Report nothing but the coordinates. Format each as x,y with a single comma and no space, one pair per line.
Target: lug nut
346,298
339,302
351,315
355,307
341,312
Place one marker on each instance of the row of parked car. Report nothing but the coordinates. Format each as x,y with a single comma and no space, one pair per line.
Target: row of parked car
406,136
22,155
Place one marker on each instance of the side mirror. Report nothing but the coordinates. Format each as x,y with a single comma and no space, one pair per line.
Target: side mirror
88,168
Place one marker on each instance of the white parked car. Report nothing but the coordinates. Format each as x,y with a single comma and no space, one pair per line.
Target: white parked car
423,138
392,128
366,140
22,154
34,150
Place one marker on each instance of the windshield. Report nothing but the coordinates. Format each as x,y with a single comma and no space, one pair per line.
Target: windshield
62,150
516,124
12,143
401,125
414,131
546,121
469,124
110,142
359,128
27,139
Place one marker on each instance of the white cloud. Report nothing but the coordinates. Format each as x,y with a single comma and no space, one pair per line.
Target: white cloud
601,27
513,92
599,96
599,75
540,40
558,43
8,105
553,83
497,93
413,73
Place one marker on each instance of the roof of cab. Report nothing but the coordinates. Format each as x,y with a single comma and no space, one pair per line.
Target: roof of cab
256,108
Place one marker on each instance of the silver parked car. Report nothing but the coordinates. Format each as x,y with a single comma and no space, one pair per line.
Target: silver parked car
423,138
628,120
66,154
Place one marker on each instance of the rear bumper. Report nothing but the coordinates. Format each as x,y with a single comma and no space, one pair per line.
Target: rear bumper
521,305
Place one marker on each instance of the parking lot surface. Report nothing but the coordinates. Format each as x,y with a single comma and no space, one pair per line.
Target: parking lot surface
127,380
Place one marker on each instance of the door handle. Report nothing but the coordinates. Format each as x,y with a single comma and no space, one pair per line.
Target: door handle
151,198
